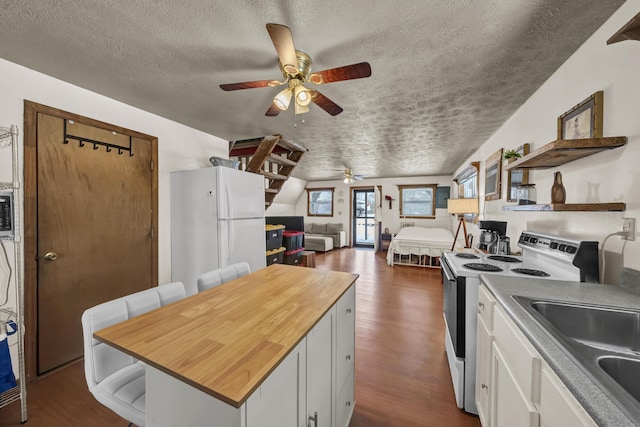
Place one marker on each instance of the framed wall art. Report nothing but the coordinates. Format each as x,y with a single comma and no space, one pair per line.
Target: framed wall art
584,120
492,176
516,177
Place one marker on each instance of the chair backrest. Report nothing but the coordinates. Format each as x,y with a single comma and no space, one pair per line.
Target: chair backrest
102,360
221,275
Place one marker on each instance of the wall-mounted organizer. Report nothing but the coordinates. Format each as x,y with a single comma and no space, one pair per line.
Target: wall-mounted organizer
11,318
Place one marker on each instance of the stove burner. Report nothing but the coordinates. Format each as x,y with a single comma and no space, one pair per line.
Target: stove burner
531,272
503,258
482,267
467,255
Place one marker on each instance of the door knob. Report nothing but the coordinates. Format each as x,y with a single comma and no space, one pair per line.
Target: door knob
51,256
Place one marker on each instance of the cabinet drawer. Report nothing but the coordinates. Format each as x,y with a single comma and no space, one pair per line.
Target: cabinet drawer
518,353
345,402
486,303
558,407
345,335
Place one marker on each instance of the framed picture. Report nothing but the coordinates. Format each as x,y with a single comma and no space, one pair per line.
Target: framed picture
492,176
584,120
516,177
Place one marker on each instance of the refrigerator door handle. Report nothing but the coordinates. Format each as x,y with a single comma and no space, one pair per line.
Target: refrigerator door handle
230,243
229,205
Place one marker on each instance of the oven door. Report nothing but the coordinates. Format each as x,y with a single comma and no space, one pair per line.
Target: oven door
454,299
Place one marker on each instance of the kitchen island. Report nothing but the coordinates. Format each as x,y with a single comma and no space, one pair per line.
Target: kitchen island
272,348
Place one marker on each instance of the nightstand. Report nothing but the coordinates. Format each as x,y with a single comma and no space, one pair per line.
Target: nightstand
385,241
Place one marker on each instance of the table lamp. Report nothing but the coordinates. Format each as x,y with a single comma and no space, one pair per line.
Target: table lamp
461,207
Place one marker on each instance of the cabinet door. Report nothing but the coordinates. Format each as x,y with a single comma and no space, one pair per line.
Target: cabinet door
345,403
319,373
511,407
346,308
483,372
558,407
276,402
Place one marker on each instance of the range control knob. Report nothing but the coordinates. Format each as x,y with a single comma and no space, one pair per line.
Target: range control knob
562,247
553,245
571,249
533,240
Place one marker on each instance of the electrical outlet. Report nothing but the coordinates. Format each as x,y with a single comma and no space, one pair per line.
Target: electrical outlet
629,224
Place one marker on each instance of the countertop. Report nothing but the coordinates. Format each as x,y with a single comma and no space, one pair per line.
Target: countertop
595,400
225,341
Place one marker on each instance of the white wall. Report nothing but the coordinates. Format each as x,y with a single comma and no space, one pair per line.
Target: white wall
284,204
610,176
390,217
179,147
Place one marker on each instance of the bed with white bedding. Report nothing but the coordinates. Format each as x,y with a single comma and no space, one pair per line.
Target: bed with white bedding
418,246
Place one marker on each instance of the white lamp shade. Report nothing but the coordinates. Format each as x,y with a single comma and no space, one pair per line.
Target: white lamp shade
303,97
462,206
283,99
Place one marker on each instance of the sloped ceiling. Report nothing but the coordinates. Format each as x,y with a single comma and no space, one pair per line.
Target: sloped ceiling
446,74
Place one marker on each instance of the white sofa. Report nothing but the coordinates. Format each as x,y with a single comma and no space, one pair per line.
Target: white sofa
335,231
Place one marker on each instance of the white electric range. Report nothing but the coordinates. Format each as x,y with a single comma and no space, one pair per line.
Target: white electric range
544,256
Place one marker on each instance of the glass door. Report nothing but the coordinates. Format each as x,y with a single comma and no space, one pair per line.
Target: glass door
364,201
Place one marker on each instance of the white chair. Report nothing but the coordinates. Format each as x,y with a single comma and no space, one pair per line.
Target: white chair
114,378
221,275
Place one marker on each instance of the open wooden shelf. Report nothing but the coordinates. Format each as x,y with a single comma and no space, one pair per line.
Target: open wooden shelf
569,207
630,31
562,151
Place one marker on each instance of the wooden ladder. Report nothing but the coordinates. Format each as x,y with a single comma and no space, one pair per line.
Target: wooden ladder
272,156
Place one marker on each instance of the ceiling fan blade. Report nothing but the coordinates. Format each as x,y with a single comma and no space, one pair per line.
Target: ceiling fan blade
348,72
358,177
250,85
283,42
325,103
273,110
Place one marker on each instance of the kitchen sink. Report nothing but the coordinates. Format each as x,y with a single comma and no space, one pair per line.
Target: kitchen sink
624,371
592,325
603,341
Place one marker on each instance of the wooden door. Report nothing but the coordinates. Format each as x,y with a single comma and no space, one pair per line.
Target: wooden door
94,222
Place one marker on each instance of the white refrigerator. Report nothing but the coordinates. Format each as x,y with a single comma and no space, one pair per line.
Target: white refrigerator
217,219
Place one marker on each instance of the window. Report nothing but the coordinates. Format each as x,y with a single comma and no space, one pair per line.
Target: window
418,201
320,202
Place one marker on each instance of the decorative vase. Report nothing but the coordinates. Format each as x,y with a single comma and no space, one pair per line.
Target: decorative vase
558,193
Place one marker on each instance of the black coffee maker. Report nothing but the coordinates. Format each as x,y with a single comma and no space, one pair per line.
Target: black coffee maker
491,234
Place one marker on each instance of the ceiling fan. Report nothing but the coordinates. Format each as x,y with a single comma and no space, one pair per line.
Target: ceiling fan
350,178
295,66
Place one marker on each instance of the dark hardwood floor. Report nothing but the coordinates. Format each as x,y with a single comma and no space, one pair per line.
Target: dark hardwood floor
402,376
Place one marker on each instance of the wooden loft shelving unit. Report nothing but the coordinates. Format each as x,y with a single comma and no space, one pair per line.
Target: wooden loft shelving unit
562,151
569,207
630,31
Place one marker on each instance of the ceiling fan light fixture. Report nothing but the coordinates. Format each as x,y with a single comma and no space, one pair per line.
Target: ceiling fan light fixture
301,109
302,95
282,99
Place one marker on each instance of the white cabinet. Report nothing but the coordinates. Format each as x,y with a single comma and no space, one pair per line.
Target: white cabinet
319,373
275,402
514,386
345,357
511,407
484,343
483,372
558,407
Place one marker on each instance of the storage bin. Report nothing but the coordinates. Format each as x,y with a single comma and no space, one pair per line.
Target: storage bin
274,236
293,257
275,256
292,240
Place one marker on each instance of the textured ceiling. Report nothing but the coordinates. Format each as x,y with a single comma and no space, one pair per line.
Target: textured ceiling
445,74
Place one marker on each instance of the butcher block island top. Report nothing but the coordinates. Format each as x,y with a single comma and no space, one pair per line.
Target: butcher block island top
225,341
